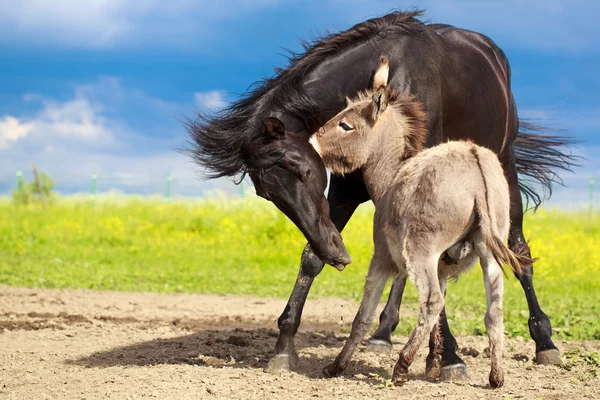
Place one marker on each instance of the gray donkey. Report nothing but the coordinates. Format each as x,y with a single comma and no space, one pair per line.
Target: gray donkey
452,198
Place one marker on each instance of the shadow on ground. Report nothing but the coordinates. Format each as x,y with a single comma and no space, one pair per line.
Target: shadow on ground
236,348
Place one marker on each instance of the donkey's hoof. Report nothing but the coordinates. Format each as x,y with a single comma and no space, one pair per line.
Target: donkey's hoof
332,370
378,346
454,372
496,379
282,362
548,357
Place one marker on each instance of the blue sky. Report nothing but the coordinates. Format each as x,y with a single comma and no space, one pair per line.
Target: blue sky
98,85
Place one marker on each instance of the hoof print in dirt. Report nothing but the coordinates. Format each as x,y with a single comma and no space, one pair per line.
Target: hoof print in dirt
238,341
521,357
486,352
469,351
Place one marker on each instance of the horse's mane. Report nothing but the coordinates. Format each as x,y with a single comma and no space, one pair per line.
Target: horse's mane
231,143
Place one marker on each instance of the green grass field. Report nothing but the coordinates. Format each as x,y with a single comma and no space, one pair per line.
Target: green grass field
246,246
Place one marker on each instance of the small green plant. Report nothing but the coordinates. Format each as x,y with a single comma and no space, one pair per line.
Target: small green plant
585,364
29,193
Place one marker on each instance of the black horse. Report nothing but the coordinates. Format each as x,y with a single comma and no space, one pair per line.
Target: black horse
461,77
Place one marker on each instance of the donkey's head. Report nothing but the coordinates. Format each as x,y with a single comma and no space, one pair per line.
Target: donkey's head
375,118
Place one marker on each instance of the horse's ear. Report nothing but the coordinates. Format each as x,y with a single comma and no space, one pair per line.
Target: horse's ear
274,127
382,74
379,103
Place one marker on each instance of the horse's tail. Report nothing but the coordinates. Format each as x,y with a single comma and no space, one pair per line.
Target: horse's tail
538,155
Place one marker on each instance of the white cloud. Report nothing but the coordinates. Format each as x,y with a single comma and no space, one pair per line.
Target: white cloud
11,130
73,138
101,24
74,120
213,100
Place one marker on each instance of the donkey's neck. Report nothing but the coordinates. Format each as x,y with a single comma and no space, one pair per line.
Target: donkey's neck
389,150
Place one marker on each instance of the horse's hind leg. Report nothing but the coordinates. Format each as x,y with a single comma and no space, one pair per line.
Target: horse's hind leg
539,323
376,278
494,323
423,272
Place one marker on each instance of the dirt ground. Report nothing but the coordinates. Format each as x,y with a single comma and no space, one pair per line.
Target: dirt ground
86,344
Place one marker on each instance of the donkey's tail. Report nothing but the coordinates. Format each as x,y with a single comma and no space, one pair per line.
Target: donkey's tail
538,156
502,254
489,204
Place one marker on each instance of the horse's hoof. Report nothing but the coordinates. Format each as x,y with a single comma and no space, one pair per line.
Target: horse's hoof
454,372
548,357
282,362
332,370
378,346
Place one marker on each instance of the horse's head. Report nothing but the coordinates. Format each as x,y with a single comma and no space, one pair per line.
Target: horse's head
295,182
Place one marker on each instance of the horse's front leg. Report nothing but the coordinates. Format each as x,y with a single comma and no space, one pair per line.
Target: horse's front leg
539,323
286,357
345,195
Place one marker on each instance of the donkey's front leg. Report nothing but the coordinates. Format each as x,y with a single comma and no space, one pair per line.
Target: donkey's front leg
381,340
377,276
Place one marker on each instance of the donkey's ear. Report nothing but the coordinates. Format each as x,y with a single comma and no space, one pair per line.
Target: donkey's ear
382,74
379,103
274,127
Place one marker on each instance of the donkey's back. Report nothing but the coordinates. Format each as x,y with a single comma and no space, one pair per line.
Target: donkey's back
442,195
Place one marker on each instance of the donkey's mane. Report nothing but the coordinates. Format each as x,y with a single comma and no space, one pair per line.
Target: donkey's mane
412,112
231,142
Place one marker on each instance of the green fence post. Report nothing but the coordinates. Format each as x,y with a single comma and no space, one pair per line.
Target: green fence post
19,180
592,182
169,179
94,178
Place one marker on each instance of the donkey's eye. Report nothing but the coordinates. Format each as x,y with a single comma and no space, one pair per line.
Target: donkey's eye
345,126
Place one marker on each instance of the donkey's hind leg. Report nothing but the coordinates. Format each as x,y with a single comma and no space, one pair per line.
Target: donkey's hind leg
436,343
494,323
423,272
377,277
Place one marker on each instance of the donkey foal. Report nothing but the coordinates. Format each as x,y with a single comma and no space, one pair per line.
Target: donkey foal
451,199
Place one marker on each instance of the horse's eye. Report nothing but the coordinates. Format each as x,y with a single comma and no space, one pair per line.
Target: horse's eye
345,126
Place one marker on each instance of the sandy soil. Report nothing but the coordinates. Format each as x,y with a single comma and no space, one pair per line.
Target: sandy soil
86,344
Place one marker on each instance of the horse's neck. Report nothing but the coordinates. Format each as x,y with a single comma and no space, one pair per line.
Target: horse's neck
387,156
